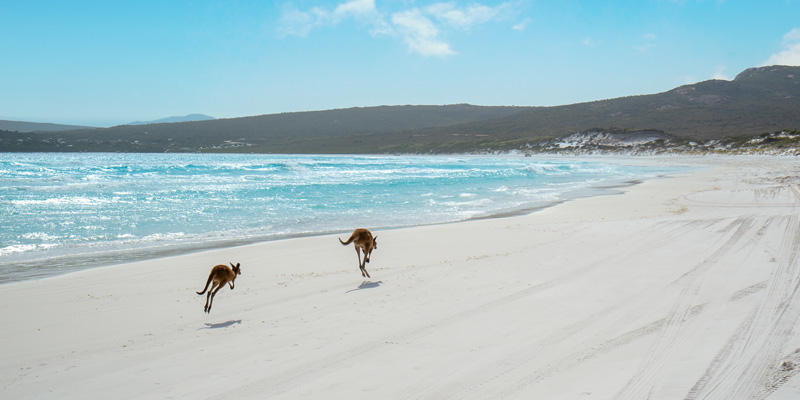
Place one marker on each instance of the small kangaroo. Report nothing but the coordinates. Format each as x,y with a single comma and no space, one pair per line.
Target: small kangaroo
362,240
220,275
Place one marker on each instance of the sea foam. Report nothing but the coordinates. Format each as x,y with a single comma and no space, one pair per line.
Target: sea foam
60,210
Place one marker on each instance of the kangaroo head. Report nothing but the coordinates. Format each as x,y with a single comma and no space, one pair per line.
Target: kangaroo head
375,243
236,269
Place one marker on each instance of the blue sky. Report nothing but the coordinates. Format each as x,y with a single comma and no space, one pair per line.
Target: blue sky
104,63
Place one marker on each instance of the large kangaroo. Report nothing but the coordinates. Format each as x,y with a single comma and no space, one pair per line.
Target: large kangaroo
362,240
220,275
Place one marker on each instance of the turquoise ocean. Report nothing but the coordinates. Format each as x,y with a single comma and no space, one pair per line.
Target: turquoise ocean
60,212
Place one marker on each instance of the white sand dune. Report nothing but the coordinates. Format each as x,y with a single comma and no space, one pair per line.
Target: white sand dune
680,288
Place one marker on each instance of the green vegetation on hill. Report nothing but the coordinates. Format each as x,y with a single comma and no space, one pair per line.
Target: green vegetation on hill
758,101
331,131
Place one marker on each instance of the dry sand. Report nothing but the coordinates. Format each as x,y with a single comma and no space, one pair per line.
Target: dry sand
680,288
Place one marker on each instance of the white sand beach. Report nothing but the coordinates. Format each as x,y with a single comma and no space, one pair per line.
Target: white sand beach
686,287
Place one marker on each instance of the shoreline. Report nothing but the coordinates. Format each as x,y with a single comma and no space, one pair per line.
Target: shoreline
44,268
677,288
31,270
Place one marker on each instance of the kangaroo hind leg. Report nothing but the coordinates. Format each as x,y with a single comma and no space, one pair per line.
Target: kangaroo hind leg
221,285
363,263
208,300
358,253
210,297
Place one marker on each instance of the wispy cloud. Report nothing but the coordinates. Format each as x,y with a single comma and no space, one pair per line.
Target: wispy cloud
720,74
790,55
301,23
467,17
648,44
522,25
420,28
420,34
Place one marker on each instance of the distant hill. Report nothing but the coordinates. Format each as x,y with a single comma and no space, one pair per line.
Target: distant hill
185,118
20,126
758,101
330,131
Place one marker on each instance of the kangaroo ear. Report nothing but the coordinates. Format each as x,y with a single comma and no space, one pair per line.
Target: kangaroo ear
232,265
237,265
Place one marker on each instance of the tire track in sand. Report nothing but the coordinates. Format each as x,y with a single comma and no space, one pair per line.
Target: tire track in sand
467,388
596,325
678,328
586,335
747,365
587,353
789,367
750,364
668,328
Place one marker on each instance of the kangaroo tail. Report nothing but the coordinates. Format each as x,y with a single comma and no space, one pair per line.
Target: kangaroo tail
208,282
349,240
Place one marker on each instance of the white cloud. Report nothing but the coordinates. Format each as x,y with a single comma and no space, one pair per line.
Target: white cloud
356,8
420,34
420,28
790,55
300,23
522,25
464,18
297,23
793,36
720,74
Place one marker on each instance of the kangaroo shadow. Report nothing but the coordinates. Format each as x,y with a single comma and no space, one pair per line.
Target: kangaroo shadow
366,285
222,324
